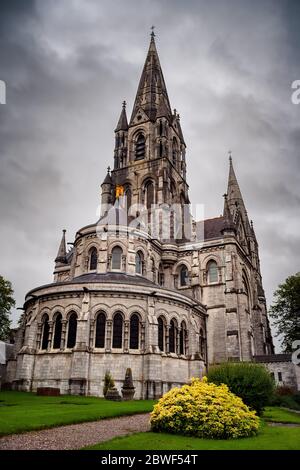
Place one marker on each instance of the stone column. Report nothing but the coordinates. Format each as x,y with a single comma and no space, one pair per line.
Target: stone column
38,335
108,335
92,333
167,338
177,339
142,346
186,343
123,266
126,336
50,334
63,334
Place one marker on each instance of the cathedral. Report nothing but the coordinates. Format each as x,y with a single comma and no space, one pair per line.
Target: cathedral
146,287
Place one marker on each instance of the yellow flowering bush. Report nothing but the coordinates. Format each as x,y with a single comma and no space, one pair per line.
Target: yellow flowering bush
205,410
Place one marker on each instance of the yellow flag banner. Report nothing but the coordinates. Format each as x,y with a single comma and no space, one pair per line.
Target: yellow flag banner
119,191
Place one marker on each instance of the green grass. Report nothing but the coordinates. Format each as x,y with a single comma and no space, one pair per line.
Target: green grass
278,415
20,411
269,438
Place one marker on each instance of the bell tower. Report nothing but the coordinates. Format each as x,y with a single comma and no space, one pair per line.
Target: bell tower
149,156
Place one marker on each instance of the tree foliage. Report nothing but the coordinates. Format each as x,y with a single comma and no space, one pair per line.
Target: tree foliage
6,303
108,382
285,311
249,381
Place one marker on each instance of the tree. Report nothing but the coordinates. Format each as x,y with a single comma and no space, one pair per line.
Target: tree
251,382
6,303
286,311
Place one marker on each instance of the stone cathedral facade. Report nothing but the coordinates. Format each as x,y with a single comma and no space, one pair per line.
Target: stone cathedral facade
126,294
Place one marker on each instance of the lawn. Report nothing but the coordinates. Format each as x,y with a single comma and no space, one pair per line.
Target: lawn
268,438
279,415
20,411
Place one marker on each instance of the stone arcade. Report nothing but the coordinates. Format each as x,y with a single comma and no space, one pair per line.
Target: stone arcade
165,307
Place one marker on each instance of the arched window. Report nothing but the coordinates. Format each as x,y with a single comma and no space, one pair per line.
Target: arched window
140,147
128,198
72,330
212,272
93,258
161,333
139,262
160,127
174,151
183,336
152,264
160,275
161,149
172,337
201,343
100,330
134,332
57,331
45,331
184,276
149,194
246,290
116,258
117,331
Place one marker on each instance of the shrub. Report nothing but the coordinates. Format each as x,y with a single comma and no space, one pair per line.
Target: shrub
286,400
251,382
296,398
284,390
108,382
203,409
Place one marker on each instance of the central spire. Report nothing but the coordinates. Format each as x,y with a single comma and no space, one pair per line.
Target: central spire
152,96
234,196
233,190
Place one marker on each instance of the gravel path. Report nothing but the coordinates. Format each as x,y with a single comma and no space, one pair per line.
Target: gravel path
75,436
287,425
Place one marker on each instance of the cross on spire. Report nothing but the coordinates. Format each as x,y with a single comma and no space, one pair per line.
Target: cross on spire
124,104
152,32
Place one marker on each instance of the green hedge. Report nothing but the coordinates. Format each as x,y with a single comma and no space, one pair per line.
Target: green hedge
251,382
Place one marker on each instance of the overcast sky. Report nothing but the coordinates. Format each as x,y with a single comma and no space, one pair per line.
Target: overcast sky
68,65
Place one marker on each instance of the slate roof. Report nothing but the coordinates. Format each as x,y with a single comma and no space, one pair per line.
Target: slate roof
212,228
273,358
121,278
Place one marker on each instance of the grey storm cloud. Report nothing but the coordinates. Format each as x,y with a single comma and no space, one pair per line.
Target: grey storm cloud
68,65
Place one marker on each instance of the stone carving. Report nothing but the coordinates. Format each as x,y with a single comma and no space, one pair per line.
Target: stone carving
128,389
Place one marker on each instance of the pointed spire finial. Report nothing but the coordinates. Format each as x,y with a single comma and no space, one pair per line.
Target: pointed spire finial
235,198
152,32
108,169
228,220
62,251
122,123
152,95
